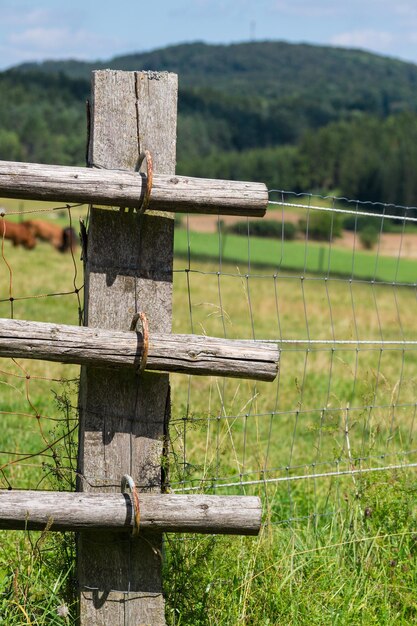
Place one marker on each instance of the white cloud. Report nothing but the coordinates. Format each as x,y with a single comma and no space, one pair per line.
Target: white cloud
43,38
366,38
405,9
33,33
208,9
26,18
32,17
306,8
362,11
59,42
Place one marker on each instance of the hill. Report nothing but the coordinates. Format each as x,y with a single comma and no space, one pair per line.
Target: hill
259,96
263,93
278,69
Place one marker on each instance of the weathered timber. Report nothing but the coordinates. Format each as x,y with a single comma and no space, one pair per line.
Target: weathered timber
188,354
124,417
119,188
36,510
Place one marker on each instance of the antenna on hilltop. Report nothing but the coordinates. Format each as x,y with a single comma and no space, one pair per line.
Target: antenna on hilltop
252,30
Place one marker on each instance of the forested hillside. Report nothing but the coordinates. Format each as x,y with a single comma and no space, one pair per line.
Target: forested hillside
296,116
42,118
368,158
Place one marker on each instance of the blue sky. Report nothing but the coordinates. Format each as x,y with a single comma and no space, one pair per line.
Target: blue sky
87,29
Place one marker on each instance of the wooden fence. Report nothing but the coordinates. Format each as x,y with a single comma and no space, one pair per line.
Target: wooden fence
124,405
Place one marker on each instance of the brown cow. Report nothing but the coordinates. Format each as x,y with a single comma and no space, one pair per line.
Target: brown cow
19,234
62,239
69,239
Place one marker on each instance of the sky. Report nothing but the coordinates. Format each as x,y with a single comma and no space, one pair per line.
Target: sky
34,30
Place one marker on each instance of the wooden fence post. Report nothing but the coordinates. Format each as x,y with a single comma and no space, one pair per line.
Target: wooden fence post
123,415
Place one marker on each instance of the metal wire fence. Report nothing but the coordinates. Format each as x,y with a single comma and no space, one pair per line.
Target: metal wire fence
335,288
39,417
337,291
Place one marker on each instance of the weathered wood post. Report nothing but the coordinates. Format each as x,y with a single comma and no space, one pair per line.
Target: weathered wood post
123,415
124,403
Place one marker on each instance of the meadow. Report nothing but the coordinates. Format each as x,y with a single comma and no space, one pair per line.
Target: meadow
334,549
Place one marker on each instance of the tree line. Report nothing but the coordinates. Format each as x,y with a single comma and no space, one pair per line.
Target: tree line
297,117
368,158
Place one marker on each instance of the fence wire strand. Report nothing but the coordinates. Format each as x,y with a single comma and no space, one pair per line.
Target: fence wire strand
39,416
334,285
340,307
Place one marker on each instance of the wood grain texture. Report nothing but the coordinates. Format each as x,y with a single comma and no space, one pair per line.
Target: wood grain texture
119,188
123,417
36,510
187,354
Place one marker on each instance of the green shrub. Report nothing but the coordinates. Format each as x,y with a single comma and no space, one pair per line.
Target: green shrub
359,223
264,228
321,226
368,236
179,220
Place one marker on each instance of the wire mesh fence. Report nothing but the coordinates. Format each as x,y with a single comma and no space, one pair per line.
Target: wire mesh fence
41,279
337,291
334,286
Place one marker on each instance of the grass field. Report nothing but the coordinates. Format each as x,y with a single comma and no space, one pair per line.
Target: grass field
315,258
333,550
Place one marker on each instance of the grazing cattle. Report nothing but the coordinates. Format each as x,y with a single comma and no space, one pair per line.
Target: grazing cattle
19,234
69,239
63,239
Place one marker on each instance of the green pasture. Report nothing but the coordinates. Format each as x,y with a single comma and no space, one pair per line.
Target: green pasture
320,258
337,550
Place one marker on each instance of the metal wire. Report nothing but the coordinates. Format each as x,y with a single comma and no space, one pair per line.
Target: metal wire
38,451
343,318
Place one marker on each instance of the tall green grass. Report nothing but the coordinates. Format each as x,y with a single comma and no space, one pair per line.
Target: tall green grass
357,568
37,409
331,551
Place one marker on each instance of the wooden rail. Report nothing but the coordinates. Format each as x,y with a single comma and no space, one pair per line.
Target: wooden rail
36,510
188,354
119,188
124,418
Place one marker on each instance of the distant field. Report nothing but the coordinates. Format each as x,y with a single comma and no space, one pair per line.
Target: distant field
316,257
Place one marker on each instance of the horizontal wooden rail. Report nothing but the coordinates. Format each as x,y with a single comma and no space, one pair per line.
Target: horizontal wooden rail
119,188
35,510
187,354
